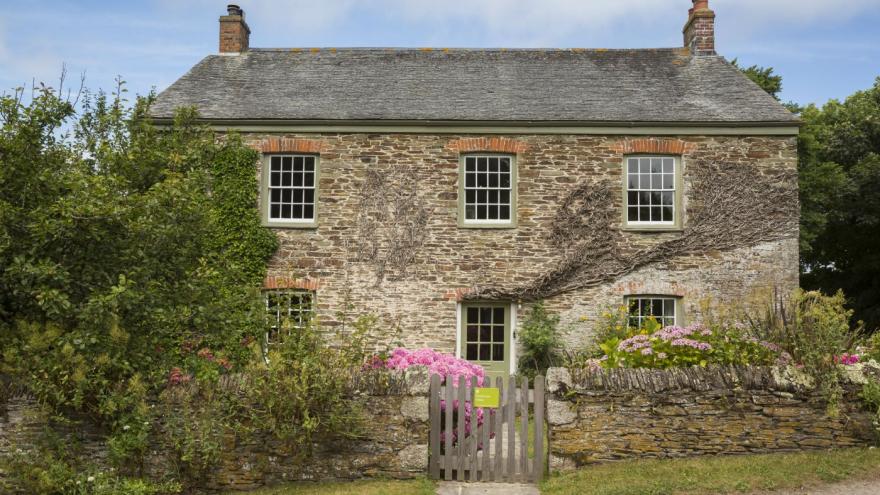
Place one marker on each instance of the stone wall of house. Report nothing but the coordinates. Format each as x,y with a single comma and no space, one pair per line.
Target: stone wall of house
413,280
392,444
633,413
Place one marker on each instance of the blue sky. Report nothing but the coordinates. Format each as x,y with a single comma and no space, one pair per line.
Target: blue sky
823,48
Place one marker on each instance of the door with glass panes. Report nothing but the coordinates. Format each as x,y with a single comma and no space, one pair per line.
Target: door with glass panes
486,336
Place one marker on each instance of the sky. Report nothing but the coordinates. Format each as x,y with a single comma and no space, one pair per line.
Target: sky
823,48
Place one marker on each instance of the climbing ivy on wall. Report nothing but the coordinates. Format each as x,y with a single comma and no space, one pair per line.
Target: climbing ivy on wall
240,238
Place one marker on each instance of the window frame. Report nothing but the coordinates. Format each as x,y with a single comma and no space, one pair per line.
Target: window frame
265,293
487,224
677,194
504,367
678,317
265,196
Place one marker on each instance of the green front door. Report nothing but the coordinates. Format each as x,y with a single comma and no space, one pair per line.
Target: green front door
485,338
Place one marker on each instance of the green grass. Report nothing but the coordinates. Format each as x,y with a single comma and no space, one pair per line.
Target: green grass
372,487
710,475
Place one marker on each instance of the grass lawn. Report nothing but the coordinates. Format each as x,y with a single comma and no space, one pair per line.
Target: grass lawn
372,487
710,475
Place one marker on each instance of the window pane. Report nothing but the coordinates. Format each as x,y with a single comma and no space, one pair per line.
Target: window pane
286,163
485,315
493,212
473,315
505,180
498,316
297,164
470,164
309,179
297,211
482,213
645,165
505,164
482,180
472,352
493,196
644,214
633,215
493,164
668,165
667,214
656,165
285,211
482,164
498,334
309,196
309,211
493,180
632,181
667,198
485,333
485,352
470,180
275,179
275,164
633,165
297,195
504,197
309,163
498,352
274,211
656,214
504,213
470,212
471,333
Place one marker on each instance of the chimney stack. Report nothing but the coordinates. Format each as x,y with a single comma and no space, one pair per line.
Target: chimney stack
699,30
234,32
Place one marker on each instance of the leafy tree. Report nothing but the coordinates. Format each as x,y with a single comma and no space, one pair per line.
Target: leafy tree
763,77
124,249
840,210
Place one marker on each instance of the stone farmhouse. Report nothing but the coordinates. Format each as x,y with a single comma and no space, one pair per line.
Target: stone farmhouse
448,190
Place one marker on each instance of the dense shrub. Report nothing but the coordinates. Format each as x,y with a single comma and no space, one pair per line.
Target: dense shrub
540,340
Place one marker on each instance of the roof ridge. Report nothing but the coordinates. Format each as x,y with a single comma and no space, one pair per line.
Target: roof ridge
464,49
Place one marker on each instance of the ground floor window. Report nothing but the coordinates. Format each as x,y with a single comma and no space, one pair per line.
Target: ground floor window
662,308
287,310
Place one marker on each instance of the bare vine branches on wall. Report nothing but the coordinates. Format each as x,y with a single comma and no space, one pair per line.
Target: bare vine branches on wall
730,206
391,222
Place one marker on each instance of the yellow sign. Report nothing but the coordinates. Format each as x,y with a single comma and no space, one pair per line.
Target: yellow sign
487,397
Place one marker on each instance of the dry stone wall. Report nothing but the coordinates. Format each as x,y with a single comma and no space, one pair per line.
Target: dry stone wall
392,444
635,413
388,240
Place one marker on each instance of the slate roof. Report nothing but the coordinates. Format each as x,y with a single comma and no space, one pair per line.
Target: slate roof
478,85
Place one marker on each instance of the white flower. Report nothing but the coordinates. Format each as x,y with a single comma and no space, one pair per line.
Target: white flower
90,479
126,428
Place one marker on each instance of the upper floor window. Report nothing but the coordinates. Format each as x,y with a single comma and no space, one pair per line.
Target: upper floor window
291,190
652,192
661,308
287,310
488,191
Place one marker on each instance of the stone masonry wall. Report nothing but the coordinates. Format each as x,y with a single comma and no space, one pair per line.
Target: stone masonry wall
394,444
421,298
630,413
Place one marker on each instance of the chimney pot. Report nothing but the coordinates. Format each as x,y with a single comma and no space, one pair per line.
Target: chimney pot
701,4
233,9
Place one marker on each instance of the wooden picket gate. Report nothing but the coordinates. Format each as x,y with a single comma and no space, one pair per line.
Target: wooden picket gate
497,450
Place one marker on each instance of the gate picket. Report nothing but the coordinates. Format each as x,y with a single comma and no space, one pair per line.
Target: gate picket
524,432
460,450
538,467
447,454
499,430
434,415
511,429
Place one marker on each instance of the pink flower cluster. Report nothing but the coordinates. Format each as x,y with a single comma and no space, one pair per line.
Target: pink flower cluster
438,364
177,376
696,344
847,359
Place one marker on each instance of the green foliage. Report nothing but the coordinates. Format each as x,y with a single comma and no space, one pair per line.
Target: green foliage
541,341
870,396
839,149
52,467
763,77
137,251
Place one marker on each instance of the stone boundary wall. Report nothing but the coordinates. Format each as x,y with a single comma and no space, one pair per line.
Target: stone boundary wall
630,413
394,442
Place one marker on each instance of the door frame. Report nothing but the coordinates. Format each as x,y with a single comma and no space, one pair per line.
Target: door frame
512,310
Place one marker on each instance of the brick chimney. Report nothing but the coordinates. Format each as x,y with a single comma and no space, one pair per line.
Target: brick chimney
699,30
234,32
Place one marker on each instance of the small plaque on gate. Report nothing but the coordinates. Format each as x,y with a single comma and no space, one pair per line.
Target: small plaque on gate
488,397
